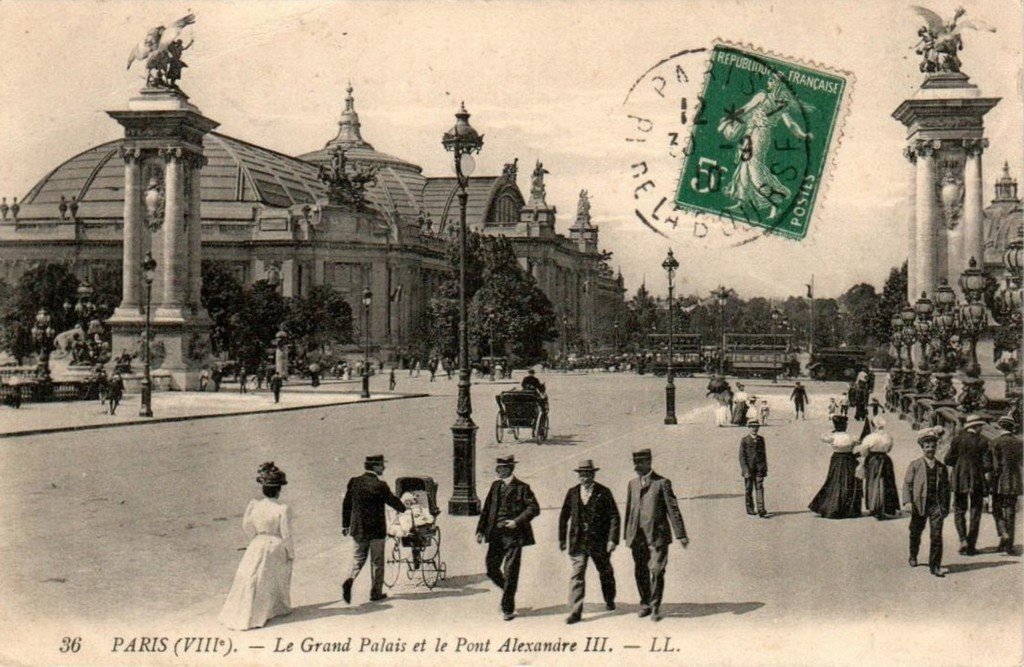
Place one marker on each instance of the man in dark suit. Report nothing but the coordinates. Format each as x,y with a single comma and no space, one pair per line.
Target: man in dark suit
754,467
362,517
1007,452
970,463
926,496
505,526
652,516
589,527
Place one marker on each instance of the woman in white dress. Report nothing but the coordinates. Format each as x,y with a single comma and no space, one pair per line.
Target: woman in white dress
262,586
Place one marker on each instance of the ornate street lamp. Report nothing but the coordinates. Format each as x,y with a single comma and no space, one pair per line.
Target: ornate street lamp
367,301
670,265
42,336
721,295
463,141
972,281
895,337
148,271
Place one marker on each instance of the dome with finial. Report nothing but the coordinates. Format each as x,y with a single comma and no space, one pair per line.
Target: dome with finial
1002,218
1006,186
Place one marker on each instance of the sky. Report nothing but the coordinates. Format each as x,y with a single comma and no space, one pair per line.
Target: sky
543,80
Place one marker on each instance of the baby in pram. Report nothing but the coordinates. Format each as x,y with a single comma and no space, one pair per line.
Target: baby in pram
409,524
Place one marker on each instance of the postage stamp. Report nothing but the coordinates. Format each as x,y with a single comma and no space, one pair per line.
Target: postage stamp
762,139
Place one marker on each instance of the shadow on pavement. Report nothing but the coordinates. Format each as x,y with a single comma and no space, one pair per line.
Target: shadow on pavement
674,610
967,567
310,612
453,587
713,496
569,439
784,513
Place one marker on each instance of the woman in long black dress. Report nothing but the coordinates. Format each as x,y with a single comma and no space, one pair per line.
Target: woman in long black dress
840,496
881,496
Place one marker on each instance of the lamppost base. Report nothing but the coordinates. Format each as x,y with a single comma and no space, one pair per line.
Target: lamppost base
670,403
464,501
366,387
146,409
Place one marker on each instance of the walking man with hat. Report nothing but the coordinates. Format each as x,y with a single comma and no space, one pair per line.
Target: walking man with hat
652,516
505,526
970,464
926,496
1007,454
589,528
362,517
754,467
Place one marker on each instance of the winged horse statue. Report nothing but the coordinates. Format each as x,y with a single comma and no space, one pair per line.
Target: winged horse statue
940,41
161,52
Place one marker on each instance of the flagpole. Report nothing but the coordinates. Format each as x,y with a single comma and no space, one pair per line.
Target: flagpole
810,344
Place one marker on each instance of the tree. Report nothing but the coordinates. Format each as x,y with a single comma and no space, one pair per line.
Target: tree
890,302
222,296
322,318
261,312
860,305
46,286
641,316
443,310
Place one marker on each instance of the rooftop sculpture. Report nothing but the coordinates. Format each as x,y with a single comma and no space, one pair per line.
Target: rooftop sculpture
161,51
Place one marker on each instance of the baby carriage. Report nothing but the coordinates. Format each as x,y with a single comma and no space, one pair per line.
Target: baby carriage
413,543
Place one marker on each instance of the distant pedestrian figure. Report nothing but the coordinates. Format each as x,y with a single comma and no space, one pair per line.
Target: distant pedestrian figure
1007,455
243,380
391,379
217,375
275,385
754,468
652,516
417,368
115,392
314,374
739,405
926,496
800,399
840,495
261,375
204,378
362,517
433,369
588,527
504,525
261,589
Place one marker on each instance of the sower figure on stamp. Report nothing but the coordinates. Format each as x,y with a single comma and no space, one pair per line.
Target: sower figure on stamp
970,463
652,516
1007,453
505,526
926,497
362,517
754,466
589,528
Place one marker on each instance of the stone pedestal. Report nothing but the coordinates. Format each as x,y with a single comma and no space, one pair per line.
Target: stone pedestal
163,155
945,140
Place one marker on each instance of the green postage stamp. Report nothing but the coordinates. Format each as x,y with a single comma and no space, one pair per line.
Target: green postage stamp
762,140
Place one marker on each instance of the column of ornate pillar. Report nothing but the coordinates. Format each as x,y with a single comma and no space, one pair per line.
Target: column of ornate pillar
132,242
912,290
974,206
174,210
195,234
927,232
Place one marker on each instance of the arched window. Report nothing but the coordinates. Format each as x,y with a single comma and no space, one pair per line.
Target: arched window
506,209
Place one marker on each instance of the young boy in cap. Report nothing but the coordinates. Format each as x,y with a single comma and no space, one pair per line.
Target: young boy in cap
926,495
589,528
652,516
754,467
362,517
505,526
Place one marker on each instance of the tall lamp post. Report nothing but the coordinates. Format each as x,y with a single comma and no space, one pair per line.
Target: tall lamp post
722,295
42,336
1009,300
972,314
775,316
367,300
670,265
148,271
463,141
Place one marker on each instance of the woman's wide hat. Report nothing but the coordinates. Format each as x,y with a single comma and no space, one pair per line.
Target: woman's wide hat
270,475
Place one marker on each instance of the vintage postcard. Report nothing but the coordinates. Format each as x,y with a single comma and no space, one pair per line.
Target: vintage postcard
504,333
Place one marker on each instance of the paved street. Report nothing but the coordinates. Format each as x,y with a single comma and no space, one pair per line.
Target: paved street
136,531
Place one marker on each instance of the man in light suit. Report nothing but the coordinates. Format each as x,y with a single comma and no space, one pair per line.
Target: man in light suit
505,526
589,528
652,516
926,494
362,517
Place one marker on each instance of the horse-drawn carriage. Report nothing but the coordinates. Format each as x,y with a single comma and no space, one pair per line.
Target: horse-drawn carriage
522,409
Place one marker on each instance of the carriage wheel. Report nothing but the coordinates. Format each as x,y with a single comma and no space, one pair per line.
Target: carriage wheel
498,430
432,569
515,432
392,561
540,428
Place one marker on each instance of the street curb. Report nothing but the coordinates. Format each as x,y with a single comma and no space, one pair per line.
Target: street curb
137,422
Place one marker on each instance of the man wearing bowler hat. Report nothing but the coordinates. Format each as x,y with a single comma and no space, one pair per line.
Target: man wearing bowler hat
362,517
754,468
970,464
1007,455
652,516
589,527
505,526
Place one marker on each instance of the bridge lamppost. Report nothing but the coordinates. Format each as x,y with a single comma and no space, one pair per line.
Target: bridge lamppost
670,265
972,314
1009,300
367,301
148,272
463,141
722,295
